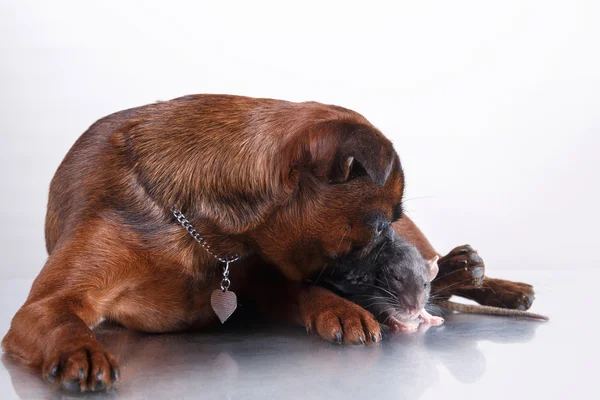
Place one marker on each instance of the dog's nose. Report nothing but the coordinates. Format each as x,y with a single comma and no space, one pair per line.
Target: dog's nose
381,226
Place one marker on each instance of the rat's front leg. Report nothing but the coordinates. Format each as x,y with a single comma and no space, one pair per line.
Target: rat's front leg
400,326
430,319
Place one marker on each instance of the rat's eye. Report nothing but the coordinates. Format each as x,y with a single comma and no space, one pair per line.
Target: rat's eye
425,285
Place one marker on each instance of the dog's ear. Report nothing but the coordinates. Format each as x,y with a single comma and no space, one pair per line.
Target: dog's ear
339,151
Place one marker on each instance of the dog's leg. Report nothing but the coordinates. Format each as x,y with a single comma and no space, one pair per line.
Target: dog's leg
50,334
501,293
336,319
51,331
319,310
462,273
100,273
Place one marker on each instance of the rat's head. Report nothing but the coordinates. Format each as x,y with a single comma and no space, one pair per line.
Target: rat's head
394,283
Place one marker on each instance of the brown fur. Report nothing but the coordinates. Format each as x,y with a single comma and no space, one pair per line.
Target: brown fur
267,179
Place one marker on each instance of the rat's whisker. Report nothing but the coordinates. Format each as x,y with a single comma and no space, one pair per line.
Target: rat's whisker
386,284
445,288
392,314
377,304
449,273
434,309
382,246
369,298
320,273
382,289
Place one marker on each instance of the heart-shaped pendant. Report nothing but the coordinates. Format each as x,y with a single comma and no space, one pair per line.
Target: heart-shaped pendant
223,303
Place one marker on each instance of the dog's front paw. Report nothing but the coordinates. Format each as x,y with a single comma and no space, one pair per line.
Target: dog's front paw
81,367
340,321
462,268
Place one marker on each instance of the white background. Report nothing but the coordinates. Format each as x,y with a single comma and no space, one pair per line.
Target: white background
494,107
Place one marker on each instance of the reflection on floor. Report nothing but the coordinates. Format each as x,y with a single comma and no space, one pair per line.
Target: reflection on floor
468,357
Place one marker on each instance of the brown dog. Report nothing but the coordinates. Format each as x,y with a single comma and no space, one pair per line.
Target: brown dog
290,187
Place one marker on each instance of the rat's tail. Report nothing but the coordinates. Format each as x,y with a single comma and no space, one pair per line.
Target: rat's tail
488,310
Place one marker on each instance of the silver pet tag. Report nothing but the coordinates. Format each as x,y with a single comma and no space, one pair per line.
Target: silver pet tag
223,303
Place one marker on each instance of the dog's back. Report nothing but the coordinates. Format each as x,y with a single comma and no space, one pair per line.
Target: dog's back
103,168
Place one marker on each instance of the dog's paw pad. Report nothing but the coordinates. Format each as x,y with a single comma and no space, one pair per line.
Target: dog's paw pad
82,369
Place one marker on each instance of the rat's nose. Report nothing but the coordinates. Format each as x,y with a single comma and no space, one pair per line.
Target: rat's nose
412,311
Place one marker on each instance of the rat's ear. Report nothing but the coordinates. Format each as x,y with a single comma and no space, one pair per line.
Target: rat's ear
433,267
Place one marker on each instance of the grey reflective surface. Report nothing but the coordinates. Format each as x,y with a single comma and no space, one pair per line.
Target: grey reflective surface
468,357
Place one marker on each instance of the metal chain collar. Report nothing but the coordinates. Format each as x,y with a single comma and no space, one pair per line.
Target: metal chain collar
225,282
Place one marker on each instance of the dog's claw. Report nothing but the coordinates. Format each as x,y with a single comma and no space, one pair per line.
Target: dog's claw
338,337
465,249
476,258
478,273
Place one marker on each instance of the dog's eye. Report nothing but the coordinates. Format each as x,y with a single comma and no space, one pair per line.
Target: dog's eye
381,226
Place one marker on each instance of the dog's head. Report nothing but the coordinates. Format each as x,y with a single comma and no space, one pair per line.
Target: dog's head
304,185
347,185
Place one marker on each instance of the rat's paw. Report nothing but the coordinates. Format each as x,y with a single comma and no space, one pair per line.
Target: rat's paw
80,368
342,321
462,268
430,319
436,321
397,326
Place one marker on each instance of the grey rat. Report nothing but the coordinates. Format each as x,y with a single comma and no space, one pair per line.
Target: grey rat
394,285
